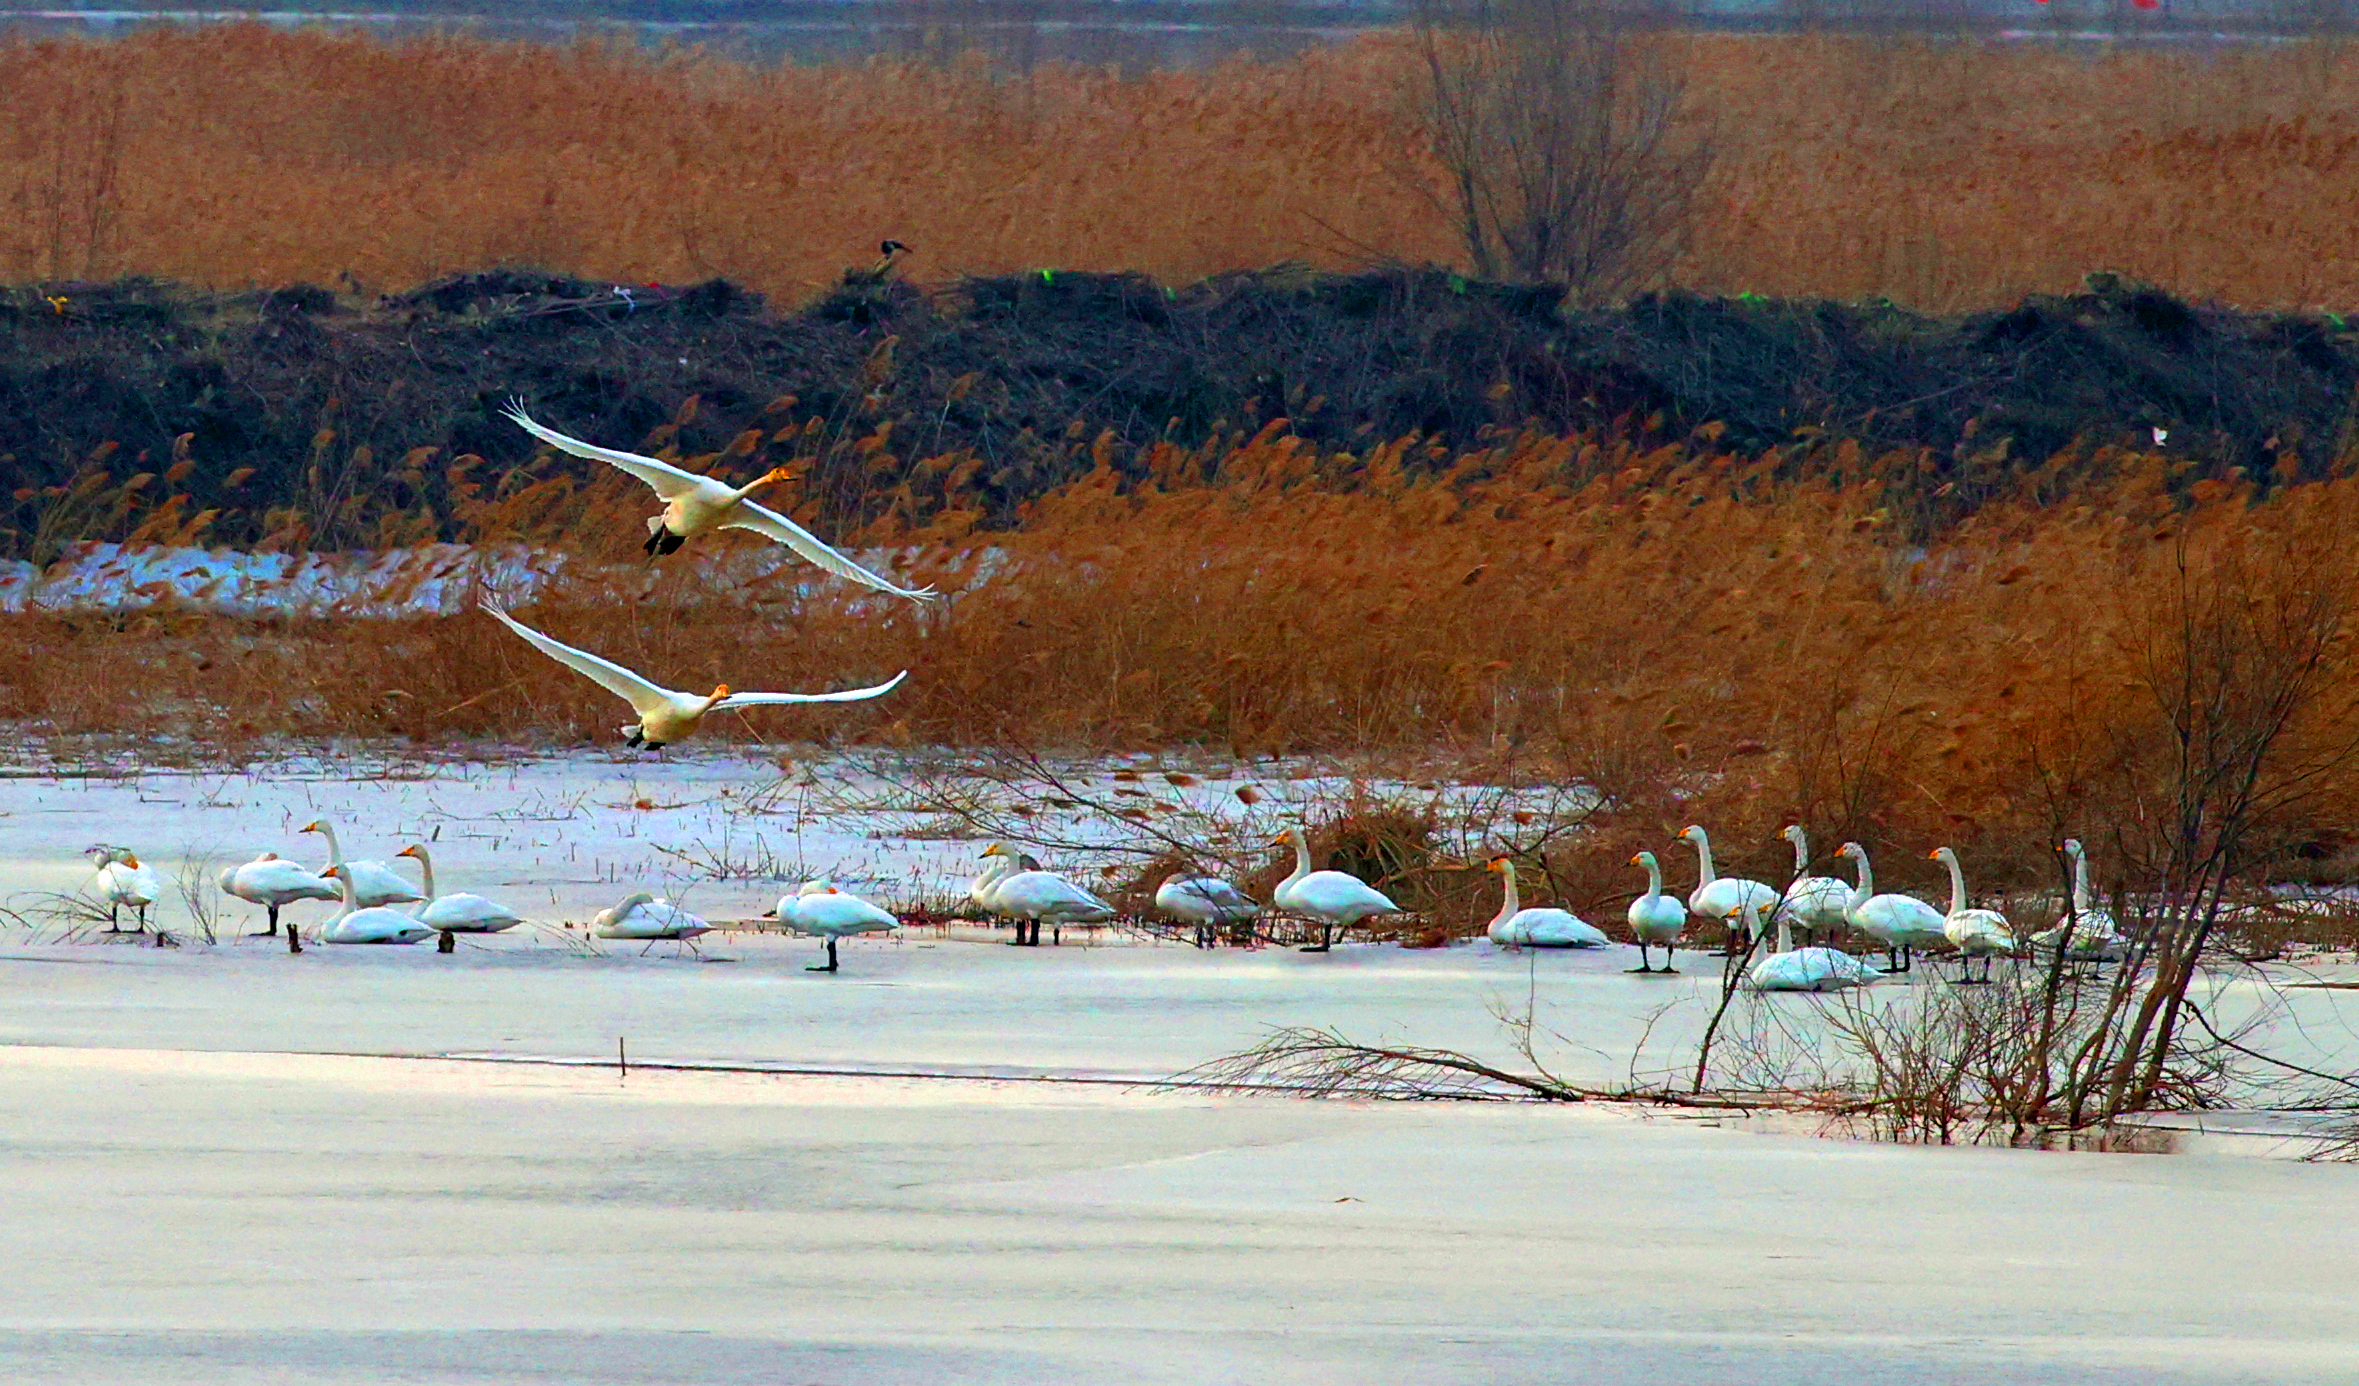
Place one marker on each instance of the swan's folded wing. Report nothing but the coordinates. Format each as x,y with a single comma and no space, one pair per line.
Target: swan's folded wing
779,529
669,481
644,697
1215,891
849,695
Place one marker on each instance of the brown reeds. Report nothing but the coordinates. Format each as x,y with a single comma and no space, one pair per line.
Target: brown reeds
1941,173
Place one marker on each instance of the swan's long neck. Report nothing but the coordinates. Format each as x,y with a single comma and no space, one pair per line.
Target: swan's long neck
335,853
1302,857
426,866
1801,854
1706,872
1957,885
1510,904
1866,889
1785,932
2082,901
1654,879
765,479
344,879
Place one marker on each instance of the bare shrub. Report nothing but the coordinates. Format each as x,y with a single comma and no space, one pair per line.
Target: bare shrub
1556,127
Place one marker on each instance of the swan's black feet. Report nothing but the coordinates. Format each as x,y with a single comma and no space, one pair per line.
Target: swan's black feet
820,967
1647,970
1668,971
1318,948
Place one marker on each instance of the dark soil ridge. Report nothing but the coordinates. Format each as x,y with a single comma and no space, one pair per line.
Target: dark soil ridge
1028,372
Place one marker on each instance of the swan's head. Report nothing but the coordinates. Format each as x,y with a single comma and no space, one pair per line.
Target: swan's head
1792,832
720,691
267,856
315,826
413,850
817,888
128,857
1852,850
1942,854
2072,847
891,248
1693,832
1642,859
1499,863
1289,836
99,852
339,871
997,849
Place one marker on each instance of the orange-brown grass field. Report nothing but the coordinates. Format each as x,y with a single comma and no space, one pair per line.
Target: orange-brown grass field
1942,174
1691,634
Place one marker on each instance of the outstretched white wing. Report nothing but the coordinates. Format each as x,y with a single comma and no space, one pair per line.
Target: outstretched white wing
669,481
644,697
849,695
776,527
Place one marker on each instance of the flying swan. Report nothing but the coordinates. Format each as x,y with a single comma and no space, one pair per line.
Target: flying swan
664,716
695,504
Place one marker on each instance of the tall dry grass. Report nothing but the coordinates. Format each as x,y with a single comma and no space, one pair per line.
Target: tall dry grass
1699,637
1942,173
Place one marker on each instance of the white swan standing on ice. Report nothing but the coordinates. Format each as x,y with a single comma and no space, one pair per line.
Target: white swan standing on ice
826,912
274,883
1902,923
1974,933
458,913
1516,927
1032,896
1820,904
366,924
1655,918
665,716
372,883
1723,898
1805,969
1207,902
124,881
2087,932
642,916
696,504
1337,899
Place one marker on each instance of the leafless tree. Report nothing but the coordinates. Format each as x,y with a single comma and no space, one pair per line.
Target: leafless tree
1560,132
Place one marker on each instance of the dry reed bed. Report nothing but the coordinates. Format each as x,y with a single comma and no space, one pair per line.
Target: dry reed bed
1694,635
1943,174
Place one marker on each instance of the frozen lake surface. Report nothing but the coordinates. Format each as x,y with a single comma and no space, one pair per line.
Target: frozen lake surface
227,1164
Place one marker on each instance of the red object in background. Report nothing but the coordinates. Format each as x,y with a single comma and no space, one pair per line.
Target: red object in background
2147,4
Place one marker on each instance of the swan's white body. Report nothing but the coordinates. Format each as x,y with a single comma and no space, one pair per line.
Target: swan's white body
1899,922
1724,898
459,913
1041,897
1337,899
124,881
1975,933
997,867
641,915
666,716
2087,933
274,883
695,505
1806,969
1515,927
1820,904
370,923
1208,902
373,882
1655,918
825,912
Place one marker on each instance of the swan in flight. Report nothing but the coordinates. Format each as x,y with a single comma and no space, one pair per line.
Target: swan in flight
2087,932
1337,899
1899,922
366,924
1817,903
1516,927
1031,896
274,883
1656,917
123,881
1788,968
459,913
1975,933
821,909
1208,902
664,716
373,882
695,504
1723,897
641,915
